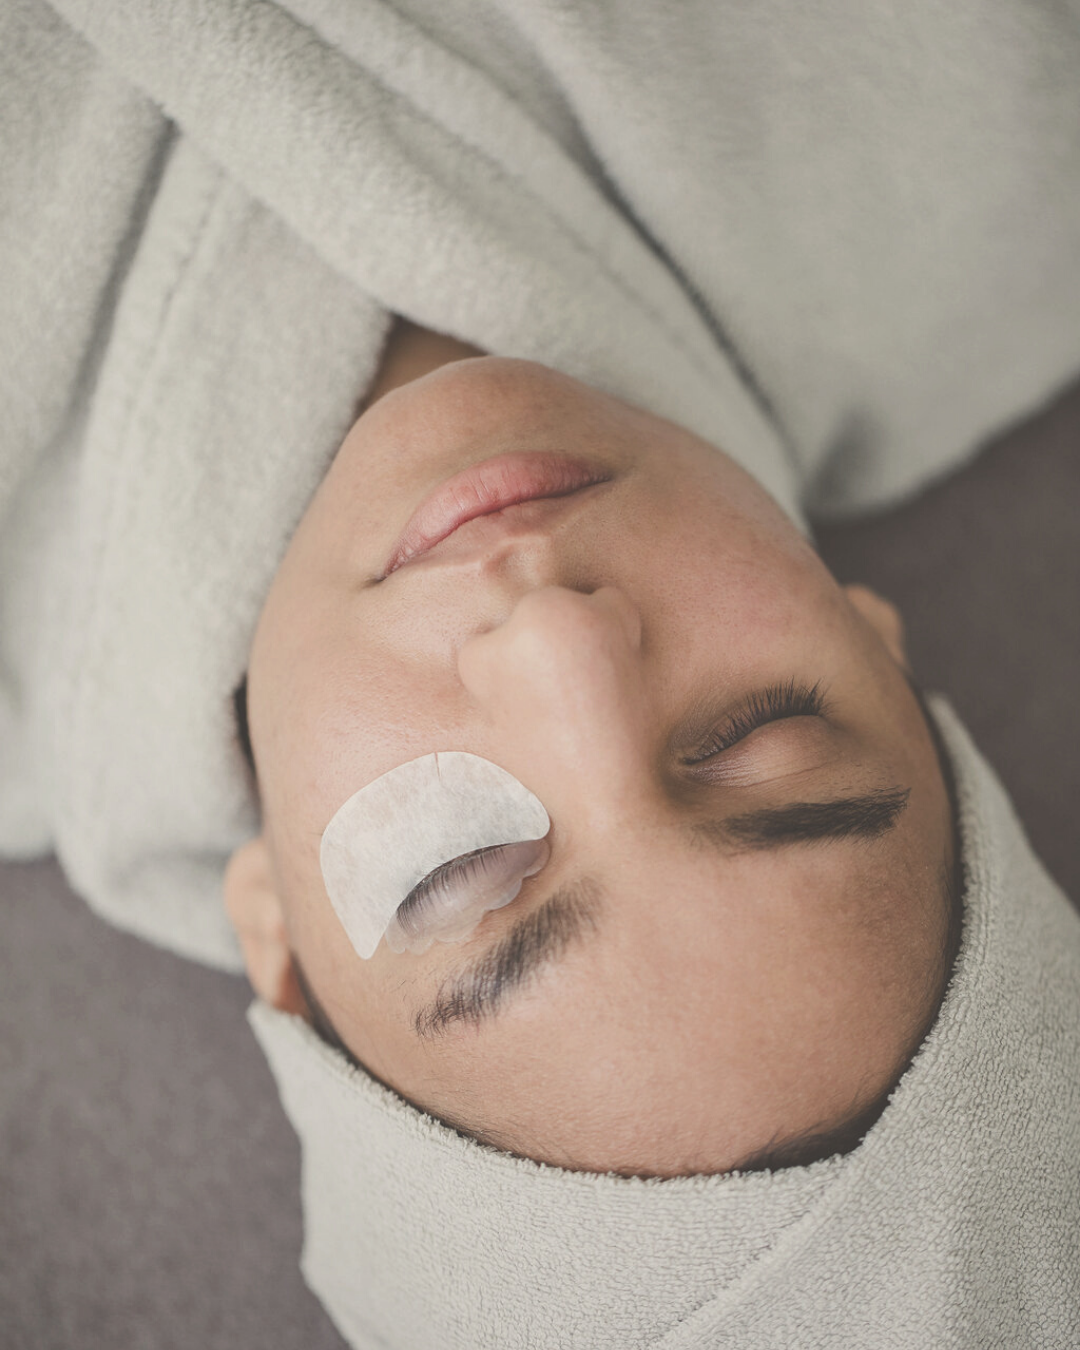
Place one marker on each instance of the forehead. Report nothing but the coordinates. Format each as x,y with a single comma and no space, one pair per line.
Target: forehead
777,988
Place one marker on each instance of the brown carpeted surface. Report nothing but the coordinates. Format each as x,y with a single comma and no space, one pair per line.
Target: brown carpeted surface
148,1179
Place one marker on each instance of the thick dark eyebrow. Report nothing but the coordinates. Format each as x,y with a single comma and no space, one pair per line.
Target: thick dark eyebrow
474,994
865,816
469,996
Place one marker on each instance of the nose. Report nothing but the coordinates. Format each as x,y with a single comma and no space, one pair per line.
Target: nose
562,685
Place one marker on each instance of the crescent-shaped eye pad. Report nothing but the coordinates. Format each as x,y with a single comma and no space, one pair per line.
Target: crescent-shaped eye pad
411,820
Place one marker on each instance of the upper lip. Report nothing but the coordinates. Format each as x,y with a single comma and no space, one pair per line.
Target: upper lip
491,485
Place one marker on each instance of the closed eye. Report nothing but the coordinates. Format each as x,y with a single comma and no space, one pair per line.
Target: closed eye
773,704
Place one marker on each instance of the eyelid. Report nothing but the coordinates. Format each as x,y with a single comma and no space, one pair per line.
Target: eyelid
774,758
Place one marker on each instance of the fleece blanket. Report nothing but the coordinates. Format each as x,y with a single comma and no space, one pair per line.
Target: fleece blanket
955,1225
840,241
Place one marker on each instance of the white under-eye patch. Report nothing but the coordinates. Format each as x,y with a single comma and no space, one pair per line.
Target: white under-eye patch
398,829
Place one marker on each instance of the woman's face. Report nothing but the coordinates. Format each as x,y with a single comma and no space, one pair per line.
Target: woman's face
712,960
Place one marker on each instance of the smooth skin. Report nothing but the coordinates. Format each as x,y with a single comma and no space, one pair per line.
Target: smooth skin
727,999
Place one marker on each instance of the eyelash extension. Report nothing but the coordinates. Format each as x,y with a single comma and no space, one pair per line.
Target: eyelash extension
466,868
773,704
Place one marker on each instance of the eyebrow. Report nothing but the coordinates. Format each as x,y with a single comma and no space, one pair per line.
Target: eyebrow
567,918
868,815
572,914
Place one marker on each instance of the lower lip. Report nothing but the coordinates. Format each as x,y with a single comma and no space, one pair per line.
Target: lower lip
485,488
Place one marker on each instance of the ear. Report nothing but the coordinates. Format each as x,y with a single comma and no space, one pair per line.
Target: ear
257,914
884,618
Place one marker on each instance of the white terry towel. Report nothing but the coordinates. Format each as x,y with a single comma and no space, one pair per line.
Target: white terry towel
841,241
954,1226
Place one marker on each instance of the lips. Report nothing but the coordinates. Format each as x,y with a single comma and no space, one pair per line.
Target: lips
480,490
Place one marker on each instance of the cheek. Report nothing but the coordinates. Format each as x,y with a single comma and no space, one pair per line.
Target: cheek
710,559
344,713
367,1002
742,612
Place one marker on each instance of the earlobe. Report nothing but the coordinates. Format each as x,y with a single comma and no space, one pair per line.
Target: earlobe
257,914
883,616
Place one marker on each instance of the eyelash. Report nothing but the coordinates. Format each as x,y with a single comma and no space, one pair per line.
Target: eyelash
774,704
424,894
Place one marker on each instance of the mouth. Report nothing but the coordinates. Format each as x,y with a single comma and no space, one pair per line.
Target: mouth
482,489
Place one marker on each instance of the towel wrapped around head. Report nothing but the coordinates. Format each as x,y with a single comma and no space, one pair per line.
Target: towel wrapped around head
956,1223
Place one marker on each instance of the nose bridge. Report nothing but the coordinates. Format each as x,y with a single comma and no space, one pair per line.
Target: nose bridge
562,683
